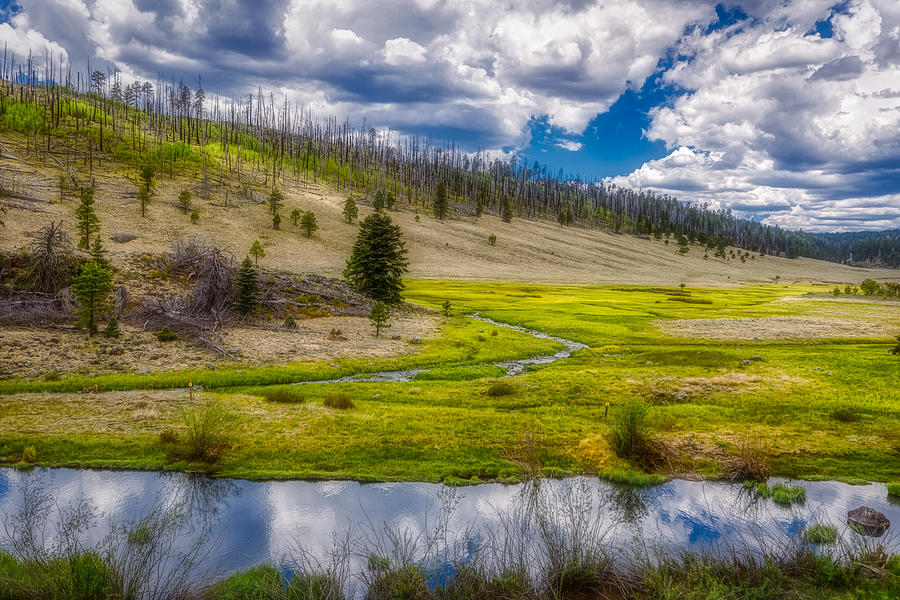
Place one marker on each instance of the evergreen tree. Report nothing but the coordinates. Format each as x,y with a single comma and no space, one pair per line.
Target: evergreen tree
350,209
390,201
379,317
246,288
195,216
308,222
184,201
683,244
378,261
441,206
143,199
295,216
276,201
257,252
146,177
378,200
98,253
276,221
112,328
505,209
88,221
91,289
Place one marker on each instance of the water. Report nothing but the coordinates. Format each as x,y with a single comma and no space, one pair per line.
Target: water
512,367
251,522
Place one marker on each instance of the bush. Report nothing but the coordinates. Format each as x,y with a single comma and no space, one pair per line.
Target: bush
338,401
501,388
283,394
629,434
492,240
166,335
195,216
290,322
820,534
208,431
112,328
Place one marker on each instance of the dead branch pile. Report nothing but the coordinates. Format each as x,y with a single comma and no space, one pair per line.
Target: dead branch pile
280,291
201,313
51,263
36,308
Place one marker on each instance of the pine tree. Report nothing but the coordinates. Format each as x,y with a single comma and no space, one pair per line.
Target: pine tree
112,328
378,261
246,288
91,289
146,177
378,200
257,252
379,316
195,216
98,253
88,222
350,209
276,201
144,200
390,201
184,201
308,222
440,201
295,216
505,209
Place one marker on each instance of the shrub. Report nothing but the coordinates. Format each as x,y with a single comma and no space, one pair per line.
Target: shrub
492,240
112,328
820,534
290,322
629,434
338,401
208,430
166,335
195,216
501,388
283,394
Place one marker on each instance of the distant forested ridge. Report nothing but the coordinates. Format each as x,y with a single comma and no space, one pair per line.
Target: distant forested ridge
254,142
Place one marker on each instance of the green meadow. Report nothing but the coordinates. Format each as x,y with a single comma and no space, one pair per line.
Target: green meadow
816,406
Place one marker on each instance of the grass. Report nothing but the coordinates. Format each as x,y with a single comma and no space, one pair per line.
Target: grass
893,489
447,425
820,534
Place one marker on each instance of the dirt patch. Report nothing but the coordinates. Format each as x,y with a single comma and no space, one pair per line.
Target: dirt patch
44,354
674,390
773,328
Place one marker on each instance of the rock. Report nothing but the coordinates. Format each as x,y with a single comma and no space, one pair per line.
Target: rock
681,396
756,357
746,363
211,366
415,340
867,521
818,369
396,336
334,366
142,371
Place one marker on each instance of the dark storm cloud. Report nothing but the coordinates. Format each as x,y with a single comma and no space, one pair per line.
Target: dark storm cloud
841,69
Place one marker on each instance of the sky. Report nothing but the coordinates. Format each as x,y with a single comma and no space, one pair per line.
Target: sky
784,111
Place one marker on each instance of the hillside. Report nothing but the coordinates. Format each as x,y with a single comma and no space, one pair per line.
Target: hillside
456,248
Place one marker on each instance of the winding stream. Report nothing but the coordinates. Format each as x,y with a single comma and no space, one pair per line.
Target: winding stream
512,367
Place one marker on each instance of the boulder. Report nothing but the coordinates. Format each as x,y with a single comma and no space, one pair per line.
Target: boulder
867,521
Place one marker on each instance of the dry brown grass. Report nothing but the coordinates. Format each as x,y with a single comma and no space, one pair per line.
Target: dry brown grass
774,328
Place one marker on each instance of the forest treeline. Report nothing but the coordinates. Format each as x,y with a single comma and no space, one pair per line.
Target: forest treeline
255,142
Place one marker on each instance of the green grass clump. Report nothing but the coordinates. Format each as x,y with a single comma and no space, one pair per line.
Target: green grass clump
763,491
339,401
501,388
314,586
258,583
388,582
689,300
166,335
845,414
629,434
786,494
820,534
283,394
464,373
893,489
207,431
